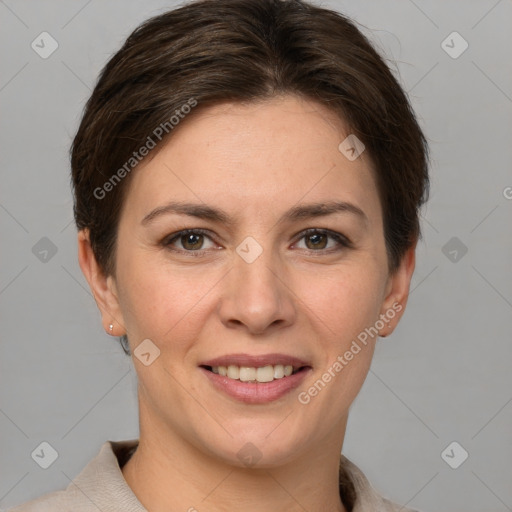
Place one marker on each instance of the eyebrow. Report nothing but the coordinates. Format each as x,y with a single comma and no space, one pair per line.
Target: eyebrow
300,212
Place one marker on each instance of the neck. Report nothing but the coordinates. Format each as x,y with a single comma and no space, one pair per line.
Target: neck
169,474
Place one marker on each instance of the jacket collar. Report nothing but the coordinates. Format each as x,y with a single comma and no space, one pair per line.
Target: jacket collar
356,492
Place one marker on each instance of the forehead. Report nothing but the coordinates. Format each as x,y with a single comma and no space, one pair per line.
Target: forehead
279,151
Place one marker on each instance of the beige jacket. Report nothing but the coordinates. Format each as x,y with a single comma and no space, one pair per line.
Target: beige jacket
101,486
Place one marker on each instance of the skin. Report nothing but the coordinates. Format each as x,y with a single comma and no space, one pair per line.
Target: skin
255,162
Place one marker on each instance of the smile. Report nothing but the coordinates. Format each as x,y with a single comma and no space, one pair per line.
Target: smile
261,374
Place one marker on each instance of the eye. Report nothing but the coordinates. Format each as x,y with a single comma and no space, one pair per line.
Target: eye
317,240
191,240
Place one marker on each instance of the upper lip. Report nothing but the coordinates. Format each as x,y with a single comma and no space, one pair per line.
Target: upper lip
255,361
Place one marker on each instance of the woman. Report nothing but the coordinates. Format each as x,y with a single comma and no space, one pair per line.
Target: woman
248,177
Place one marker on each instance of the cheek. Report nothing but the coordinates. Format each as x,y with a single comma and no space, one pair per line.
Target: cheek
342,307
344,301
162,302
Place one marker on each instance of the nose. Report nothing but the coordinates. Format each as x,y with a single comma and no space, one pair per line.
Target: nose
256,295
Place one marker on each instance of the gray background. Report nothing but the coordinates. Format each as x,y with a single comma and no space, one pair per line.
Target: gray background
443,376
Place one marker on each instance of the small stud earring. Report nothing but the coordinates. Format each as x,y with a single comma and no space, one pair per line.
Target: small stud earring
111,328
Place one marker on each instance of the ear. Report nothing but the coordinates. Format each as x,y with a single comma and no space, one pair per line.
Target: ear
397,292
103,287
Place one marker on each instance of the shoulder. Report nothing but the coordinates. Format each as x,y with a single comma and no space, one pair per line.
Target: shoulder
53,502
98,486
363,496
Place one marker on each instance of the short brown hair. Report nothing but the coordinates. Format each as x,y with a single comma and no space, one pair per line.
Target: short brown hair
213,51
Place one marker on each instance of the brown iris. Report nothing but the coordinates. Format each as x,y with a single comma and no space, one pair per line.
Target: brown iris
314,237
192,241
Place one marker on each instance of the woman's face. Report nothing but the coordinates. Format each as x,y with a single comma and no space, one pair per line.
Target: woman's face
248,287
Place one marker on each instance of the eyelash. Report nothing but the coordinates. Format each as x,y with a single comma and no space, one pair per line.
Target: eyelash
343,241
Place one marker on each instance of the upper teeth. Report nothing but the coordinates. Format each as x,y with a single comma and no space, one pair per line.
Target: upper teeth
263,374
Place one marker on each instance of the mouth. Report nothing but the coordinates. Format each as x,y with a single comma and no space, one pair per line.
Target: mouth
255,379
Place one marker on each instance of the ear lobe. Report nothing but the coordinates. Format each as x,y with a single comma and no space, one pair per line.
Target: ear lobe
397,291
102,287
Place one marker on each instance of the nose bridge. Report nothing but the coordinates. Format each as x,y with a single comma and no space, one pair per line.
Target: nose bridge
254,270
256,266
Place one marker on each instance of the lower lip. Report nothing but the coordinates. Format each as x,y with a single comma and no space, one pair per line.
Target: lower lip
256,392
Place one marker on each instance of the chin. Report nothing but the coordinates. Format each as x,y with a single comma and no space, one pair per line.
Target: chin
252,447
